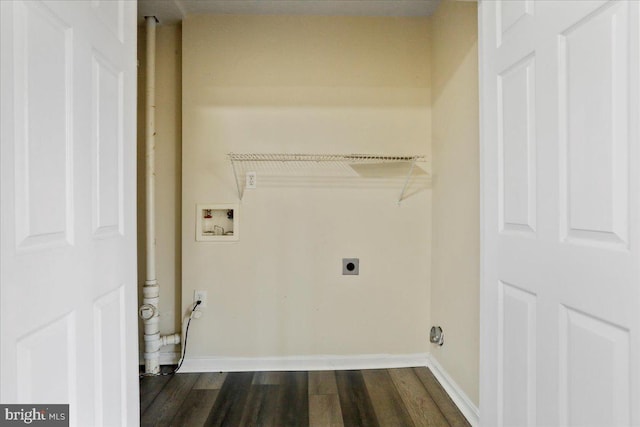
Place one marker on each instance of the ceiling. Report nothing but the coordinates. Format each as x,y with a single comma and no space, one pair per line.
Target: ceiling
171,11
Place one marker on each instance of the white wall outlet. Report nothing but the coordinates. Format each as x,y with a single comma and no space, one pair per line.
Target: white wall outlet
200,296
251,180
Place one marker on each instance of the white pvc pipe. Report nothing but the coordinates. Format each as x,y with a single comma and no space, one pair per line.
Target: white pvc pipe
150,143
151,292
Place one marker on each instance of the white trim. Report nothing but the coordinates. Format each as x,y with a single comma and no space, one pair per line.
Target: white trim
487,331
303,363
459,397
166,358
169,358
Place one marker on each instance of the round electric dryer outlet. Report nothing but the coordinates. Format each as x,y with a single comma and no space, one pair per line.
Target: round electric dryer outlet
350,266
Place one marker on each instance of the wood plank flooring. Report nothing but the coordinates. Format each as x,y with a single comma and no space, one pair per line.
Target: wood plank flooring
405,397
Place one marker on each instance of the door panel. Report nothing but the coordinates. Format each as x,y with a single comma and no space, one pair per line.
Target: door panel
587,342
68,263
110,360
107,96
43,153
516,140
593,116
51,345
517,353
560,299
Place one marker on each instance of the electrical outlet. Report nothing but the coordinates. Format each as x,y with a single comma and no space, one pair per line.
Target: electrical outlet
200,296
251,180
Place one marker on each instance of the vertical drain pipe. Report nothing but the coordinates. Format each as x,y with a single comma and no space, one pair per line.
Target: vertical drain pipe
151,292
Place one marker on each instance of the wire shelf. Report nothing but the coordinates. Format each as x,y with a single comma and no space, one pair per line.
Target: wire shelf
352,158
320,165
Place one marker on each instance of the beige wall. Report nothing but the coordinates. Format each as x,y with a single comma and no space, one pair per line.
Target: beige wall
298,84
306,84
456,214
168,172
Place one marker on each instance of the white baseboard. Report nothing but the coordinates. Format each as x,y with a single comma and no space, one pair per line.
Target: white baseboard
459,397
303,363
166,358
169,358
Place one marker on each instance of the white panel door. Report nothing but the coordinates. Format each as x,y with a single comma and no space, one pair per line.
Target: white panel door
560,296
68,251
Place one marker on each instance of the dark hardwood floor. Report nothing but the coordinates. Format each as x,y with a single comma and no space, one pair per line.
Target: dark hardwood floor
403,397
